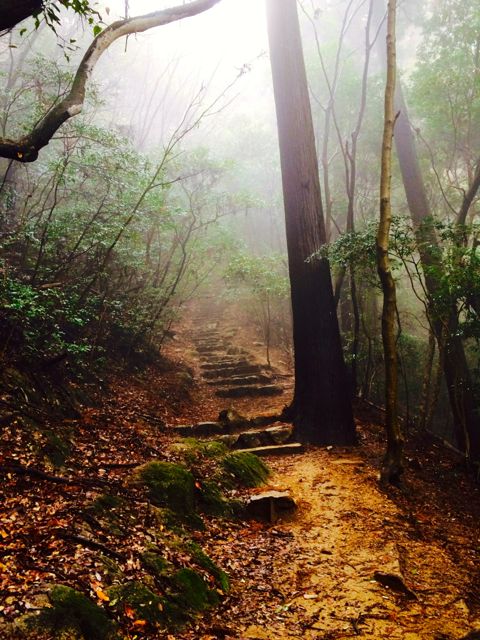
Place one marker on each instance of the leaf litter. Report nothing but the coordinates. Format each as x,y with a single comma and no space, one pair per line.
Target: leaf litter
314,575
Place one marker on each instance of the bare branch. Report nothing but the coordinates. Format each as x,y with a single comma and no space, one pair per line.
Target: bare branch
27,148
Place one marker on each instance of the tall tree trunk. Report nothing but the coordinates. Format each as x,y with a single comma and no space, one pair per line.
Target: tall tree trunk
321,408
444,323
392,463
465,412
426,396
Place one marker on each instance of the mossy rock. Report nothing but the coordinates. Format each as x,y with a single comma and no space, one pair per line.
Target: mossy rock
213,449
155,563
147,605
176,522
73,614
192,448
105,505
170,485
193,592
246,468
211,500
186,595
203,560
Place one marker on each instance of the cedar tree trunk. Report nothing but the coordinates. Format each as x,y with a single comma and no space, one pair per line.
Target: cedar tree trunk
321,409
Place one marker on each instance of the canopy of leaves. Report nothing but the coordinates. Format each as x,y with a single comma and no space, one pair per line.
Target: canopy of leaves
51,12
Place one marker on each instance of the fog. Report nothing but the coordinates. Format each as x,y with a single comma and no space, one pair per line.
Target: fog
170,65
239,248
171,186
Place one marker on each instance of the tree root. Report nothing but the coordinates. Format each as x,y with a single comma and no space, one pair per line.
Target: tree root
41,475
89,543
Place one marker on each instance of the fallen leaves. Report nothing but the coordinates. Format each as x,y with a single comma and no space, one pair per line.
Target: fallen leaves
262,561
139,623
101,595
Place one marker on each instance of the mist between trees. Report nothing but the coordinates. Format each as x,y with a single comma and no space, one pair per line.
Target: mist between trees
167,187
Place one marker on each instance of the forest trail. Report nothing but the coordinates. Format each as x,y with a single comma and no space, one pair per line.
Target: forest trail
354,561
311,575
233,365
172,222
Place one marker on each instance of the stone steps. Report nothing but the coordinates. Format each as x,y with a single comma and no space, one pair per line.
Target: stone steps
236,381
259,437
208,338
220,360
232,371
199,429
236,351
224,363
210,349
276,450
249,391
266,442
235,374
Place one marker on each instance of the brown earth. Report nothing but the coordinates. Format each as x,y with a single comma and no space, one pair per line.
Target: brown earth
314,575
355,561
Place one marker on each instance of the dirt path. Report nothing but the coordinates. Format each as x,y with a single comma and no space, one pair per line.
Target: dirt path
347,531
313,576
354,561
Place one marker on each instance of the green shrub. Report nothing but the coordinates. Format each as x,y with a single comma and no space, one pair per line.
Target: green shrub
42,323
